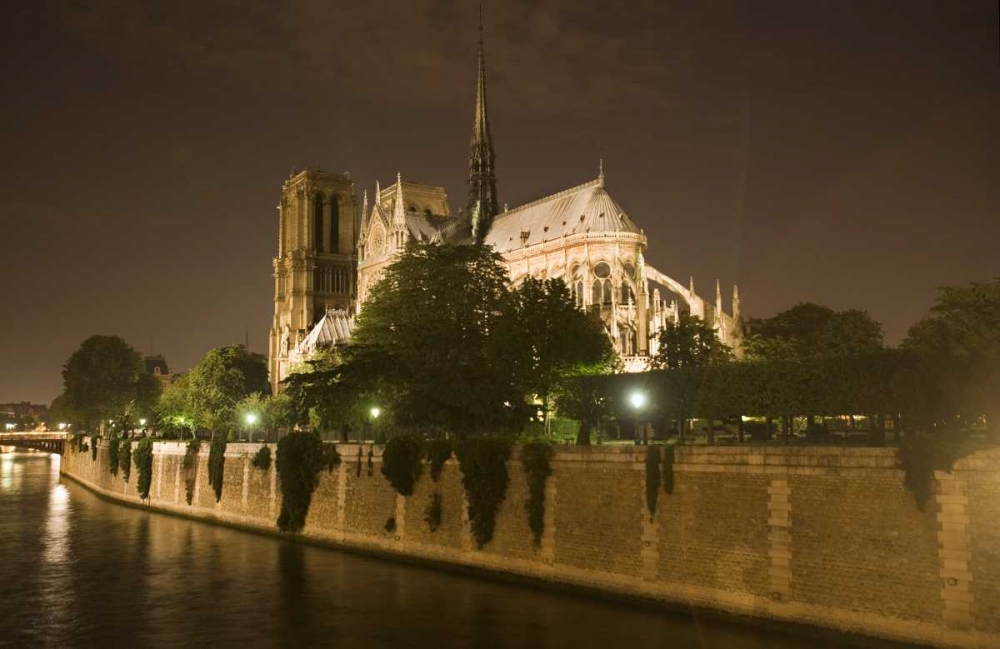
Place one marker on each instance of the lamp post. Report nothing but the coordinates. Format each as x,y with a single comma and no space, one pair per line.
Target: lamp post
638,401
250,419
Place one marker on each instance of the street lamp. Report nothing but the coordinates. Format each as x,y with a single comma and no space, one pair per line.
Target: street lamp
375,412
62,426
638,401
142,421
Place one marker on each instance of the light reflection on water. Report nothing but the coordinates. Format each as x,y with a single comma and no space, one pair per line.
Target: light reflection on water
77,570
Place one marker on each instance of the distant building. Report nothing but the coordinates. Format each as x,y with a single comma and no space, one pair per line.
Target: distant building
580,234
157,366
24,409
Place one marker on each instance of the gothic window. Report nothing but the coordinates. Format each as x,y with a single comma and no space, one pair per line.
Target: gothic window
576,279
601,293
318,279
627,295
318,223
376,242
334,245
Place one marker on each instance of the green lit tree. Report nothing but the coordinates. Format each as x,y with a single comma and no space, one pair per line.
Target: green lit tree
689,342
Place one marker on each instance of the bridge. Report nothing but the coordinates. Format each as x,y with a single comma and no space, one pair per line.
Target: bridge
53,442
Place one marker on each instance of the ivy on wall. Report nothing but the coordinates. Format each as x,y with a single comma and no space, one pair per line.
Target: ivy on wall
113,455
125,458
190,467
93,448
483,462
432,514
217,465
359,462
300,458
143,458
536,458
371,460
401,462
438,452
921,454
668,469
652,478
262,458
331,457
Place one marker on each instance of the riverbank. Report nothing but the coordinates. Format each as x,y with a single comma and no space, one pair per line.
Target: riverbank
820,536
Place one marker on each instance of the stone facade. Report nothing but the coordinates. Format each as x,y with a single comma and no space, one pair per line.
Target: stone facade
823,536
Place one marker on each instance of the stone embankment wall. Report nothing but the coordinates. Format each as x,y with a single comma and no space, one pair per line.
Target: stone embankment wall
823,536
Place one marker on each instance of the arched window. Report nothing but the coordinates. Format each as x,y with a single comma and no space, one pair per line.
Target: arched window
318,223
334,245
601,294
576,285
627,295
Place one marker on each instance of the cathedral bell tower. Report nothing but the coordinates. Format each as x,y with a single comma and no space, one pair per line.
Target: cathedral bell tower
483,205
315,266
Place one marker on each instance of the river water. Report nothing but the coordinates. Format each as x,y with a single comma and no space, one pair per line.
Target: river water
76,570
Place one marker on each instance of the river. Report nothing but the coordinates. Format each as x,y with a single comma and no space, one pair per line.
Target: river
76,570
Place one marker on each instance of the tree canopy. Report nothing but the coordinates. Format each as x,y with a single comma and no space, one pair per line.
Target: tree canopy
809,330
444,343
106,378
689,342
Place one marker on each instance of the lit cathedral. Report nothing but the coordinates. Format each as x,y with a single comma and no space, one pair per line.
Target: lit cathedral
327,263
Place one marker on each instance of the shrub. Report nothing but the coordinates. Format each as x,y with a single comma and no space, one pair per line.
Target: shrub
262,459
217,465
113,455
438,452
125,458
652,478
143,458
300,458
536,460
190,467
401,462
432,515
93,448
483,462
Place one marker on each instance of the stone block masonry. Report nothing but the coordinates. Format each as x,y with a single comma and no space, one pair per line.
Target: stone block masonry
817,535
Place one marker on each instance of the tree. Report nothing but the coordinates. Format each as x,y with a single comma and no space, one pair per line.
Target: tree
425,340
689,342
210,391
104,378
583,398
957,348
549,338
264,413
809,330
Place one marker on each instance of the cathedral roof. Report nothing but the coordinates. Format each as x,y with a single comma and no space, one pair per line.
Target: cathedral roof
334,329
581,209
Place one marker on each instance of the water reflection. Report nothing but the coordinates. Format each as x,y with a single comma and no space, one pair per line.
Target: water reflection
80,571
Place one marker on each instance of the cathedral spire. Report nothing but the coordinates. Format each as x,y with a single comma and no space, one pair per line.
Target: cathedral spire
364,215
482,206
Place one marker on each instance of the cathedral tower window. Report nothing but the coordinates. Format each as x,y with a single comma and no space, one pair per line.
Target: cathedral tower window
602,289
318,223
334,241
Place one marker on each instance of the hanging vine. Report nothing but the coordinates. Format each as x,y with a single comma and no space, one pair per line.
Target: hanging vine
113,455
438,452
125,458
262,459
143,458
217,465
432,515
921,454
371,460
536,458
190,467
401,462
300,459
93,448
331,457
652,478
483,462
668,469
359,461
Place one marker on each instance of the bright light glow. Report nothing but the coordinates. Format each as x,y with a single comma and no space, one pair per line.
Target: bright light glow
376,412
250,418
637,399
62,426
10,426
142,422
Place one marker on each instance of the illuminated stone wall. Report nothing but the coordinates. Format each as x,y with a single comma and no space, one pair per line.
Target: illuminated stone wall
817,535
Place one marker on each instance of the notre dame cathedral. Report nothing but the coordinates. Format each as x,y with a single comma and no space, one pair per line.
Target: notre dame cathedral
328,262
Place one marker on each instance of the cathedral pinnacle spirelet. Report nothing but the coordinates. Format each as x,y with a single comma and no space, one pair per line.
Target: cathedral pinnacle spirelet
483,205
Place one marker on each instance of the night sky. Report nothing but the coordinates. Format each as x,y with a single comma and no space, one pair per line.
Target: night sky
841,152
